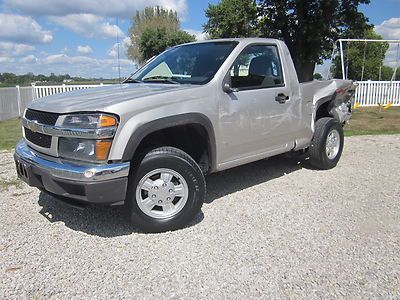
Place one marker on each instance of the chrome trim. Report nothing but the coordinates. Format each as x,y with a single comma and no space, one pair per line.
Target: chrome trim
70,171
48,151
96,133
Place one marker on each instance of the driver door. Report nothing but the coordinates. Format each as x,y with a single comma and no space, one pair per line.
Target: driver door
255,117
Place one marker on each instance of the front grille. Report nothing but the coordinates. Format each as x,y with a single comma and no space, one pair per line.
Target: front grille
41,117
37,138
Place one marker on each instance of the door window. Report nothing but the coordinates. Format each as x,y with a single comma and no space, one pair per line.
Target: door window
258,66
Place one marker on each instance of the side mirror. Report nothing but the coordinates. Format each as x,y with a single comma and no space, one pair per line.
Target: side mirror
226,87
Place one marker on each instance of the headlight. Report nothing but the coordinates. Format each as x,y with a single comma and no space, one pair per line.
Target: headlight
85,149
89,121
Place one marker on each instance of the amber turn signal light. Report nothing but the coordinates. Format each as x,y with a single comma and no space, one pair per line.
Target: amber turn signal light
102,149
107,121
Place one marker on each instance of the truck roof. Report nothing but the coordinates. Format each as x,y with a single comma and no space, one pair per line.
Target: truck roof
240,40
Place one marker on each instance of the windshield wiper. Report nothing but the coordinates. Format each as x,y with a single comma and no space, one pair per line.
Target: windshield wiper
131,80
161,78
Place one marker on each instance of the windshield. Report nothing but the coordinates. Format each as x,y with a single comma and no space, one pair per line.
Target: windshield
193,64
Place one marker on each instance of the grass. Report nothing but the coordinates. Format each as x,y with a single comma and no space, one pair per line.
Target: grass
10,133
372,120
364,121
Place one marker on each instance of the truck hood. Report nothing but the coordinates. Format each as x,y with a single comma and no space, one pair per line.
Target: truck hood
98,98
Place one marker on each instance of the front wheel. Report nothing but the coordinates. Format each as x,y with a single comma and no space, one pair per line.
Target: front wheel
327,143
167,191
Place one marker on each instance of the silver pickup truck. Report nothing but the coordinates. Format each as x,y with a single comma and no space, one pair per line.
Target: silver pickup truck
193,110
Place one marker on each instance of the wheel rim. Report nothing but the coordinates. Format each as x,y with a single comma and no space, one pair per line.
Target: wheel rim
162,193
332,144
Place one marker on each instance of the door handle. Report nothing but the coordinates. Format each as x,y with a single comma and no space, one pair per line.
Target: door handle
281,98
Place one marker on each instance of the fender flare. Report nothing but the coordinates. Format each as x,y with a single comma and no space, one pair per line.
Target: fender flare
166,122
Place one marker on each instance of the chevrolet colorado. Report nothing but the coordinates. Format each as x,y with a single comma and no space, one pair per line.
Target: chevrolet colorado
195,109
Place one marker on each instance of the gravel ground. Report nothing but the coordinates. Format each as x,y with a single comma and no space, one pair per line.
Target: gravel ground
271,229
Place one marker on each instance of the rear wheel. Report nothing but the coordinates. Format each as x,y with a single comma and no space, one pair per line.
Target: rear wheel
167,191
327,144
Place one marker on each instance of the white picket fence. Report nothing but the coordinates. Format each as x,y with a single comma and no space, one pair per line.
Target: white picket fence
43,91
373,93
14,100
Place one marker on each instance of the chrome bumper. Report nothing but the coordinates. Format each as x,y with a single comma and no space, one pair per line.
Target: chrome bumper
69,171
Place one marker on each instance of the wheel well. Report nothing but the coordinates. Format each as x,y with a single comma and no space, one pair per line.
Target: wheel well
323,110
191,138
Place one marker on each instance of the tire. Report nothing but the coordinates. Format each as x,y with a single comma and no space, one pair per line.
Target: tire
328,134
162,171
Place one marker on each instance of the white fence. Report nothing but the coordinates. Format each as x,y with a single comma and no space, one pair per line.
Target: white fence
43,91
373,93
13,101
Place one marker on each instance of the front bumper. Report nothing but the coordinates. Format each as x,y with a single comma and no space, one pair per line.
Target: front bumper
100,184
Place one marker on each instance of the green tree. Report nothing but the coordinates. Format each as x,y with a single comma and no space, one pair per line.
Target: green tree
153,41
9,78
153,20
309,27
231,18
317,76
355,62
387,73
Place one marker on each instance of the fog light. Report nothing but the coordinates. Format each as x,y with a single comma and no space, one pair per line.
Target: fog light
89,173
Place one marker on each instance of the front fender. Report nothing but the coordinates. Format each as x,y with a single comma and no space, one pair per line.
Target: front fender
166,122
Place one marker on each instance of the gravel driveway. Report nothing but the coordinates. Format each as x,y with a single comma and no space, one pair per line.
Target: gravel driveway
270,229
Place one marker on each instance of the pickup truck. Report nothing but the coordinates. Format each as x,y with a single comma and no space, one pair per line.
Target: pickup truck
195,109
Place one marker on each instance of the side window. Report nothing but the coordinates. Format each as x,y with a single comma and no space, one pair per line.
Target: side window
258,66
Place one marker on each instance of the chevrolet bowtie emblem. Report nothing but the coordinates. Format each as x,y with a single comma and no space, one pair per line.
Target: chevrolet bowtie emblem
34,126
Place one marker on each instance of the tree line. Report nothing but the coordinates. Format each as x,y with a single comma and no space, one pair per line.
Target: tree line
11,79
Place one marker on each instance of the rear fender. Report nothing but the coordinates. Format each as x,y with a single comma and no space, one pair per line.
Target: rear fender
338,105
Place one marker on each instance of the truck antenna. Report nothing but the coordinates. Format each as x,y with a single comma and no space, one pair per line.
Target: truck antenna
119,65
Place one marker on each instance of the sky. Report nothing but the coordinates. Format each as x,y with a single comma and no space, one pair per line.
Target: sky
78,37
